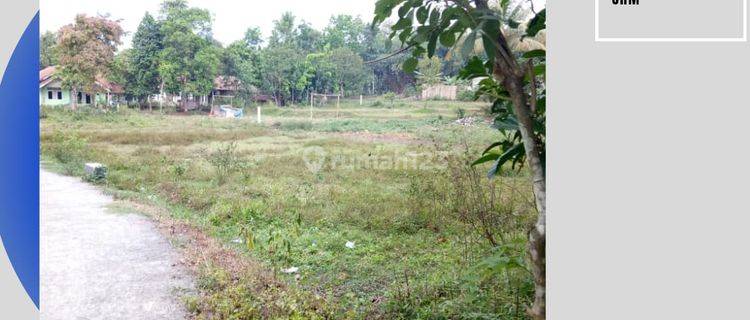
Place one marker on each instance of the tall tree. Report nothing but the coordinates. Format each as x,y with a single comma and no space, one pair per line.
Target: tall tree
189,60
307,38
253,38
145,58
282,73
87,48
345,31
48,50
241,59
284,31
348,71
513,82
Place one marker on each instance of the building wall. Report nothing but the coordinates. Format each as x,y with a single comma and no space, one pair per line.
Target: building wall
44,100
440,91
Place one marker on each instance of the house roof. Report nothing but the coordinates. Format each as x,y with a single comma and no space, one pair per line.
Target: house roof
226,83
47,75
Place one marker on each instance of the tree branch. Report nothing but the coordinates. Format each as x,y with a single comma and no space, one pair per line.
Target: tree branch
399,51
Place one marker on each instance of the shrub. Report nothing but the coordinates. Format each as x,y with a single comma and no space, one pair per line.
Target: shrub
460,113
66,148
225,160
465,95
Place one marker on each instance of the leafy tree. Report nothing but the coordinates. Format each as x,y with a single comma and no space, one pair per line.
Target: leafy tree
241,59
48,50
122,72
189,60
284,32
87,48
511,78
345,31
348,70
430,71
253,38
308,39
145,58
281,71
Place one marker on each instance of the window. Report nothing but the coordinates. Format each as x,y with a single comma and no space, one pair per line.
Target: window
59,95
88,99
49,94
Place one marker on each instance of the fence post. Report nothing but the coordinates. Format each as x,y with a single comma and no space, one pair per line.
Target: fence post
361,100
259,120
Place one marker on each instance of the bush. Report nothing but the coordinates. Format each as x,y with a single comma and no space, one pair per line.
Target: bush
66,148
461,113
225,160
465,95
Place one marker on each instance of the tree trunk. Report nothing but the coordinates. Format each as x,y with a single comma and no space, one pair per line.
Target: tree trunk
183,103
537,236
511,75
161,97
74,98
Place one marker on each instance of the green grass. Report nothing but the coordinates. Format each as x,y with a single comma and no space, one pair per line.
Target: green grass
400,191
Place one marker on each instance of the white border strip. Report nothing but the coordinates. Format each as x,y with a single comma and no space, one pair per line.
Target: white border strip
598,38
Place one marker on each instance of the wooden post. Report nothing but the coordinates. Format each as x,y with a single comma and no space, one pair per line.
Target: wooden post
338,108
361,100
259,120
312,100
161,97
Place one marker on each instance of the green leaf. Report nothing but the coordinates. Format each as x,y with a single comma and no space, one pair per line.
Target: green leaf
404,22
493,146
538,23
535,54
513,153
468,47
435,17
403,10
410,65
422,14
448,39
513,24
383,9
486,158
473,69
540,69
432,45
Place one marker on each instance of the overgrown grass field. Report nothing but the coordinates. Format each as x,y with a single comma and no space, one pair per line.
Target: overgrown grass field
362,212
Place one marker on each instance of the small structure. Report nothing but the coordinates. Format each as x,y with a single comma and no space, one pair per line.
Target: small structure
51,92
262,98
225,88
324,100
226,111
440,91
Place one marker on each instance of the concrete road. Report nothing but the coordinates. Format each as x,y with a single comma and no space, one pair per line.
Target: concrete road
97,264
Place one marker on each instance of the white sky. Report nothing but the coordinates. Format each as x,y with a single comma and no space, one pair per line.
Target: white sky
231,17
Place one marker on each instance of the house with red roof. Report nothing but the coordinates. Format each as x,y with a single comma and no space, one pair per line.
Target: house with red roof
52,93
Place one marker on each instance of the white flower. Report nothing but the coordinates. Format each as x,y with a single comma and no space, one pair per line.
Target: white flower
238,240
290,270
350,244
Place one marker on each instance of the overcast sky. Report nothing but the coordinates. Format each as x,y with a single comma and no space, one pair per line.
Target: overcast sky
231,17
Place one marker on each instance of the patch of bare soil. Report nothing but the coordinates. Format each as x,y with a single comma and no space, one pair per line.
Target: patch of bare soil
364,136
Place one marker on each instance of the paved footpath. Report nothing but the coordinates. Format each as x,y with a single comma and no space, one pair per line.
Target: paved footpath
96,264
